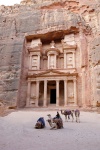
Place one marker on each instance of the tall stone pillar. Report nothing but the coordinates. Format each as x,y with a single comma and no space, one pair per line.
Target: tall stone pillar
45,94
57,94
75,93
37,93
65,61
28,94
65,93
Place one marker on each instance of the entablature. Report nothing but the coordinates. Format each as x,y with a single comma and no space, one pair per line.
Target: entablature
51,73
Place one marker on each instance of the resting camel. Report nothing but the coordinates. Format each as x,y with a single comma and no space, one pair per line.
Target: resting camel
40,123
67,114
55,123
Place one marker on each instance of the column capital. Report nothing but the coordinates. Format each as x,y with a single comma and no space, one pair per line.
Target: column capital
45,80
74,79
65,80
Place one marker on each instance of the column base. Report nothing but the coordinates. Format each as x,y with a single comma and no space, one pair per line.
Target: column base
36,106
27,106
57,105
65,105
75,105
44,106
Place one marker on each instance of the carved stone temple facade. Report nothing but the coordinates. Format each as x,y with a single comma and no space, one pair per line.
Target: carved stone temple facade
52,72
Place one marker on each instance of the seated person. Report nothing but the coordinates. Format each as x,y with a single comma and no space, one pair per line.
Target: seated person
57,116
40,123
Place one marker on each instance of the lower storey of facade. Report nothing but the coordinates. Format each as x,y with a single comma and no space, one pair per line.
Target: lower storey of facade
46,92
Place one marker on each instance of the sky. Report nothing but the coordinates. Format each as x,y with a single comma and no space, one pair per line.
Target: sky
9,2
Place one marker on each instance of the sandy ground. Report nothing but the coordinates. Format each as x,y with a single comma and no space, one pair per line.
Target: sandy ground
17,132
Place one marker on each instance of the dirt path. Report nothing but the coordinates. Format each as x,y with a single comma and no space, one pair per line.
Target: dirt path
17,132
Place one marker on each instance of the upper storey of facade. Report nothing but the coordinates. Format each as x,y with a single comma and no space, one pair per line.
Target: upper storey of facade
54,54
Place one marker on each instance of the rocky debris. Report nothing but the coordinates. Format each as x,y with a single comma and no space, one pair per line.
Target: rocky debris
5,109
2,108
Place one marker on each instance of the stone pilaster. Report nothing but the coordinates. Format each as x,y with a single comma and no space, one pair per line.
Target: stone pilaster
57,94
73,59
37,93
38,67
45,93
30,62
65,60
75,93
55,62
28,94
65,93
48,62
83,87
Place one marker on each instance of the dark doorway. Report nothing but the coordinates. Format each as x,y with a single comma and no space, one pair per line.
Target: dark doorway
53,96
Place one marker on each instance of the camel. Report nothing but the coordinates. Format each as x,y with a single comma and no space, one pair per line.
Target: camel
55,123
77,115
40,123
67,114
98,104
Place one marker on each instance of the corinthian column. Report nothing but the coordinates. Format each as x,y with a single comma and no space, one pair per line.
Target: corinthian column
65,93
28,94
75,93
37,93
57,95
45,93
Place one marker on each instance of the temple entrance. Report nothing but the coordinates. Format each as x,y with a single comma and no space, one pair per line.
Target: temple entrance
53,96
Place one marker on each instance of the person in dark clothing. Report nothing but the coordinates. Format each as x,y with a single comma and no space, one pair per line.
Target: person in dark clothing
41,119
40,123
58,120
57,116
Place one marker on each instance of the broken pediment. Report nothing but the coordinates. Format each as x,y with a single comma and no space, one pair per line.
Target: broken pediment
35,45
69,42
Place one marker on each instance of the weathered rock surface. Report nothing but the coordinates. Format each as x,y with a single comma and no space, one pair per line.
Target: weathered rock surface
43,17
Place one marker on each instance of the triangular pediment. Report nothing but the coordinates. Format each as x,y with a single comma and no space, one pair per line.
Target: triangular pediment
51,73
